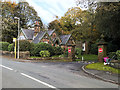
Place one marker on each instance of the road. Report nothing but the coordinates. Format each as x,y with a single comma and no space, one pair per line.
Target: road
44,75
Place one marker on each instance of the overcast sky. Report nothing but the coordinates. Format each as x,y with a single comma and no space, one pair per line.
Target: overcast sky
48,9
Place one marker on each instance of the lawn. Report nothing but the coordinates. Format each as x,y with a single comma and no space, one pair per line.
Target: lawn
88,57
101,66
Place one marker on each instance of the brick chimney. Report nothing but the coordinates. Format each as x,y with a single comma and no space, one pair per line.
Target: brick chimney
36,28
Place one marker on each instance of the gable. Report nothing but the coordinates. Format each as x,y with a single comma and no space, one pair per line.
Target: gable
22,36
39,36
50,32
28,33
70,41
65,39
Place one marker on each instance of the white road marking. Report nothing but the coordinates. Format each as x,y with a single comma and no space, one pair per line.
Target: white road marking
43,66
6,67
38,81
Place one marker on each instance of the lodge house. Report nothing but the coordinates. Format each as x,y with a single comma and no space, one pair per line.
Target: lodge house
36,35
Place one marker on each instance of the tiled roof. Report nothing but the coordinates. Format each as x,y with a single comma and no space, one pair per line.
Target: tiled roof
65,38
39,36
50,32
28,33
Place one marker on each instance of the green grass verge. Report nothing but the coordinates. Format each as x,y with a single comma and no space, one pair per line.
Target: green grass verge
101,66
34,57
88,57
56,56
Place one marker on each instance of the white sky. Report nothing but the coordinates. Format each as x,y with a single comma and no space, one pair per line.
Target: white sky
48,9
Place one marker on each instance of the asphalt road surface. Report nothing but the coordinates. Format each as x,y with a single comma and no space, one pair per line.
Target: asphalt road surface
45,75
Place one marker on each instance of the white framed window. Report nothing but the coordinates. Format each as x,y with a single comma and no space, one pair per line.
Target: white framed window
21,38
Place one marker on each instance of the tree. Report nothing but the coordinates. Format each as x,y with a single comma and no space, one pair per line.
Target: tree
55,25
108,22
27,16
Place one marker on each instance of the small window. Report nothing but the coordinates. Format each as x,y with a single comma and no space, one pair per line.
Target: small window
21,38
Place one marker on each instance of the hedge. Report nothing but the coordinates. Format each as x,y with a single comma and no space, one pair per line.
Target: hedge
41,47
78,51
4,46
11,47
24,45
58,50
118,54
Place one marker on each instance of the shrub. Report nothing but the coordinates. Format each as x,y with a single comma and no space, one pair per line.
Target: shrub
24,45
118,54
111,47
4,46
94,49
78,51
58,50
66,52
41,47
32,45
111,54
11,47
44,53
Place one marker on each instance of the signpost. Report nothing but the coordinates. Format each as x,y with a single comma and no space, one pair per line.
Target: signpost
14,40
100,50
69,50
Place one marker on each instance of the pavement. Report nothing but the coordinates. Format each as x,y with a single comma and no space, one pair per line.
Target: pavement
58,74
103,75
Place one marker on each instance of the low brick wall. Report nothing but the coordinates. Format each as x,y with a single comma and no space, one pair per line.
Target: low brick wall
51,58
24,54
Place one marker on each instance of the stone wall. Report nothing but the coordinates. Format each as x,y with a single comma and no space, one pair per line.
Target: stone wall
24,55
115,64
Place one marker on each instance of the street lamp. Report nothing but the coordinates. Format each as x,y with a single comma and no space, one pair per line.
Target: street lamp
18,34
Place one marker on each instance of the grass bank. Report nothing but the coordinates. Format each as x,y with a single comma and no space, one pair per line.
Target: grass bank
101,66
88,57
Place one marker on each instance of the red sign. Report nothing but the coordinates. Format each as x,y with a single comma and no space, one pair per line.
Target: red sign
100,50
69,50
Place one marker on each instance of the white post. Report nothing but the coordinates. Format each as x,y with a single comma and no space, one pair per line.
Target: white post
82,58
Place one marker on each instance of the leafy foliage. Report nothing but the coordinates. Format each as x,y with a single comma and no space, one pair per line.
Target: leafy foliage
78,51
11,47
108,21
24,45
4,46
27,16
118,54
44,53
94,49
41,47
58,50
66,53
